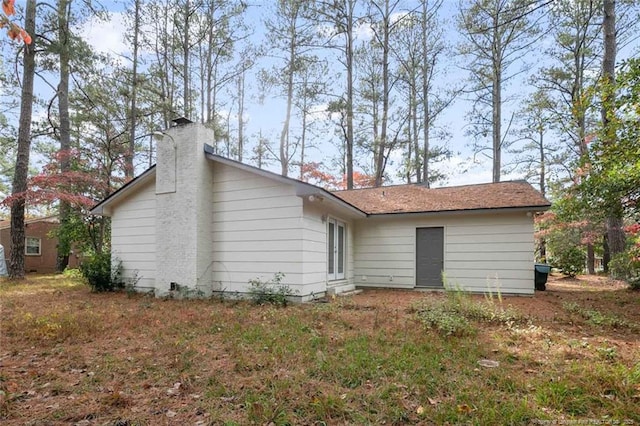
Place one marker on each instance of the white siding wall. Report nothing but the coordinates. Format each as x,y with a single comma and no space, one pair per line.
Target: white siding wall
350,272
257,228
314,246
133,235
481,252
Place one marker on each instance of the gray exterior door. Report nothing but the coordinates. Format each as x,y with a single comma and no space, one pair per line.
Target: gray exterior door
429,257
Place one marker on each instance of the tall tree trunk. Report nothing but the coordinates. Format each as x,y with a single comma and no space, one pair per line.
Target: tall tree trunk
382,143
162,57
615,232
209,67
16,261
577,98
350,6
241,113
425,96
591,260
497,101
606,253
202,74
64,240
543,177
303,136
129,168
409,168
228,134
616,237
261,150
302,144
578,89
416,127
284,134
150,150
543,188
209,90
185,59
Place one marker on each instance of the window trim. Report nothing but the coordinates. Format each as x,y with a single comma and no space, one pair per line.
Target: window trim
339,252
26,246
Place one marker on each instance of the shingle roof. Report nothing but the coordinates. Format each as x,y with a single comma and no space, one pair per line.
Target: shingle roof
50,219
417,198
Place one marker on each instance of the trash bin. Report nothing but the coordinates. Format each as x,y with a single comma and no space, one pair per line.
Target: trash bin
541,274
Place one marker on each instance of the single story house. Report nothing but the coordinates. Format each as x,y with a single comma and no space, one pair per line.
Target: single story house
41,246
203,222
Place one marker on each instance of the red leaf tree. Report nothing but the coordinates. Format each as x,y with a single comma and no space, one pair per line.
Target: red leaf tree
14,31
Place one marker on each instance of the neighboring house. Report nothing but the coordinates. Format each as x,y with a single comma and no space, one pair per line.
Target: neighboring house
41,248
203,222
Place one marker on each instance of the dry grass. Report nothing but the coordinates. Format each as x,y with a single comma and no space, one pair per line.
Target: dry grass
69,356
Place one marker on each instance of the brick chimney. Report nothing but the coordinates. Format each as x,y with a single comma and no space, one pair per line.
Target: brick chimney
184,201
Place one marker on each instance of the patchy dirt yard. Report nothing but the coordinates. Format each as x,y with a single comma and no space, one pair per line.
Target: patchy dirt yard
546,306
569,354
553,309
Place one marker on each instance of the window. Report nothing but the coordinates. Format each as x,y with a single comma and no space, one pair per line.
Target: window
32,246
335,249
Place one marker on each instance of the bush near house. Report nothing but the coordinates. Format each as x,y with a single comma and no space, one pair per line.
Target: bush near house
569,260
101,274
271,291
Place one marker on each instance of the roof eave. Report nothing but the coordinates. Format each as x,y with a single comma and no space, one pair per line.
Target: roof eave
307,190
532,209
47,219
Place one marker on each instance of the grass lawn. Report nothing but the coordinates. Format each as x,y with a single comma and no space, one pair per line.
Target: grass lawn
69,356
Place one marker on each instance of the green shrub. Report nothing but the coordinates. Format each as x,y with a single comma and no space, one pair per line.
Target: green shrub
453,315
566,251
101,274
272,291
446,319
569,260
